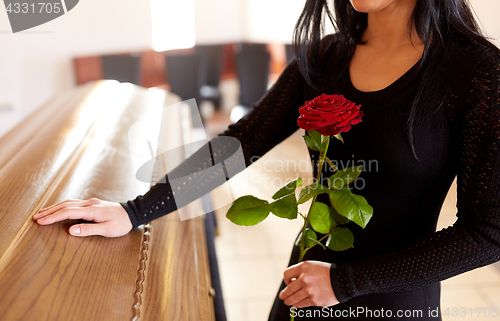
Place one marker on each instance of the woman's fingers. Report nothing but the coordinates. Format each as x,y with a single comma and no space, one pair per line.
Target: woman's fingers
296,298
67,203
290,289
307,302
293,293
293,272
111,219
71,213
54,205
90,229
314,281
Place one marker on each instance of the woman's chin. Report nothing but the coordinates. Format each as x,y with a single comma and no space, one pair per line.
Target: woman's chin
367,6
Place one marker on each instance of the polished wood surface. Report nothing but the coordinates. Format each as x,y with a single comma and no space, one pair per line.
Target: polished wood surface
77,146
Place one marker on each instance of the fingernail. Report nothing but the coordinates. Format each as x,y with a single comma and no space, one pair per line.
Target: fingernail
75,230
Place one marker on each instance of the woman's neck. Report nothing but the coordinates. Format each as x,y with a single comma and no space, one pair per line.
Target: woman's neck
389,28
389,51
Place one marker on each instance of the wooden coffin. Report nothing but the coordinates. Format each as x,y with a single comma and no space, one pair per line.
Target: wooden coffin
77,146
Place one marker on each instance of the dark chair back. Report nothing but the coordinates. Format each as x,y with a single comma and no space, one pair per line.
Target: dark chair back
124,68
289,53
212,63
211,66
252,48
185,75
253,74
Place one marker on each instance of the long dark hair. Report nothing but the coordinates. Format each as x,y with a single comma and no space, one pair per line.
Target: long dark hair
438,23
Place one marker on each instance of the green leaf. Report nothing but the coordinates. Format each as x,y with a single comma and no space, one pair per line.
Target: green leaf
344,177
285,207
248,210
337,217
311,144
310,191
310,234
339,138
340,239
354,207
316,136
320,218
313,140
288,188
317,242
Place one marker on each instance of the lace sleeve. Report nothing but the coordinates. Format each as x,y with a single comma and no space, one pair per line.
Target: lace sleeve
272,119
474,240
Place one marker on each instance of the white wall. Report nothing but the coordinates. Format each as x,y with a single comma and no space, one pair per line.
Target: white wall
218,21
249,20
271,20
487,12
36,64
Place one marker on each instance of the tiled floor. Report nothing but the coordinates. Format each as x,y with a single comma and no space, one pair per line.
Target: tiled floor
252,259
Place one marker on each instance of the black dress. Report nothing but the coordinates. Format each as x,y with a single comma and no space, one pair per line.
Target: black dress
399,259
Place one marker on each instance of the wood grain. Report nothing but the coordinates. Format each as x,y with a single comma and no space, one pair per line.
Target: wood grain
77,146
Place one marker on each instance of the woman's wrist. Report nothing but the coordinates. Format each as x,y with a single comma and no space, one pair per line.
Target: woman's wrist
131,214
334,280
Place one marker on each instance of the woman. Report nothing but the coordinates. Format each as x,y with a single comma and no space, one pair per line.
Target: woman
428,84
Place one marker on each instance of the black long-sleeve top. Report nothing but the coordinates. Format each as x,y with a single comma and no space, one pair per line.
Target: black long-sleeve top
399,249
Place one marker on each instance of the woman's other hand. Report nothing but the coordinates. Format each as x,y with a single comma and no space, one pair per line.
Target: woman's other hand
110,219
308,284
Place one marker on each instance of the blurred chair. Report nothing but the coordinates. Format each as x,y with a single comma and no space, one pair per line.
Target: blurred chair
289,53
185,75
252,63
124,68
252,48
211,67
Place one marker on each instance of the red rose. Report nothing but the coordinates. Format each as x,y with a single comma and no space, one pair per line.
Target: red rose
329,115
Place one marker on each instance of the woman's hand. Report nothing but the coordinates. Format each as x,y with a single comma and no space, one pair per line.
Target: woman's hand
308,284
110,219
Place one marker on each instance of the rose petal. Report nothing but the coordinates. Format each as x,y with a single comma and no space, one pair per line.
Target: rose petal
329,114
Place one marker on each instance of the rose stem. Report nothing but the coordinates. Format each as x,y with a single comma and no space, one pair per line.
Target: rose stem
335,168
322,157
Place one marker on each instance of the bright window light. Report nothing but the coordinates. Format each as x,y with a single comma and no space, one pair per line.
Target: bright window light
173,24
